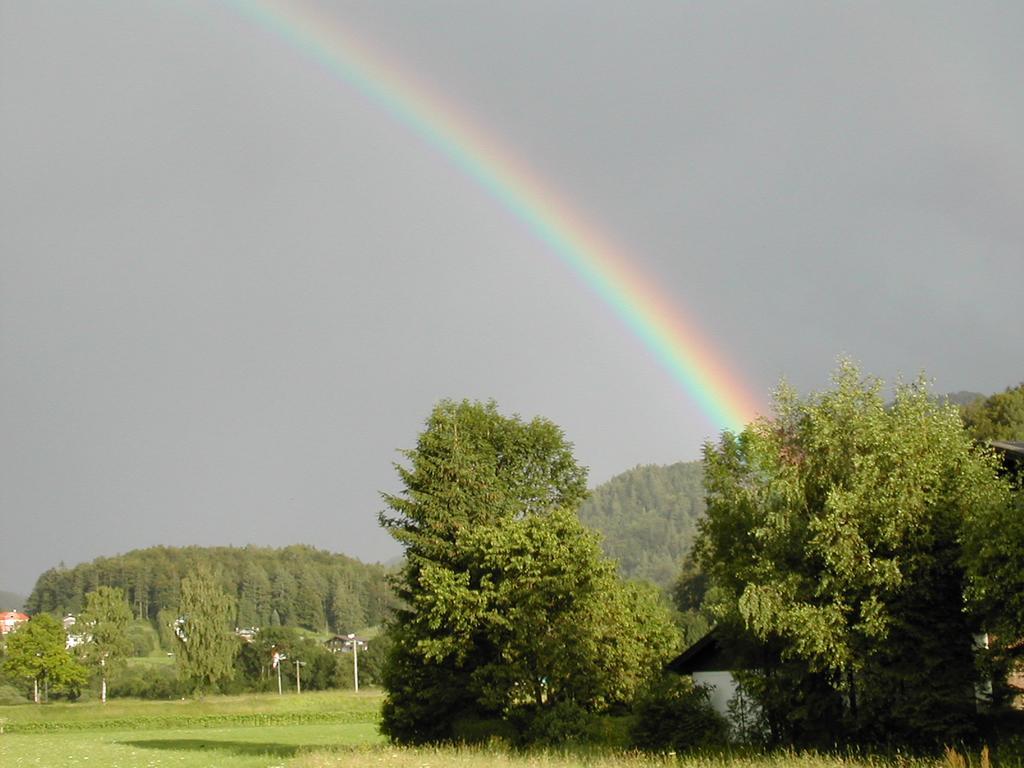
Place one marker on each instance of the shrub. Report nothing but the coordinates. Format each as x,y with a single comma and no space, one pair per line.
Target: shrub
10,694
473,729
676,715
149,682
562,723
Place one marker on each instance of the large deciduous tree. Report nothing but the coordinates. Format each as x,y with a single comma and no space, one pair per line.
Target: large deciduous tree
37,651
104,623
206,646
833,536
509,608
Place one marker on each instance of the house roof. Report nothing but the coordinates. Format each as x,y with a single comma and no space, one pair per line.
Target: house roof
11,619
1012,453
691,660
709,654
1008,446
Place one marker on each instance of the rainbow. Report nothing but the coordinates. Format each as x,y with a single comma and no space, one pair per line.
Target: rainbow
670,337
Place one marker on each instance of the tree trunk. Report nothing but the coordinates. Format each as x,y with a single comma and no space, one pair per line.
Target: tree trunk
853,694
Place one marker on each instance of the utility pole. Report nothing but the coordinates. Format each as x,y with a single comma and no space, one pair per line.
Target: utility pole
355,660
277,659
103,674
298,679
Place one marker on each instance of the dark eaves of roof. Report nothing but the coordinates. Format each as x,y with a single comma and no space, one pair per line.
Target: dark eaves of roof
1008,446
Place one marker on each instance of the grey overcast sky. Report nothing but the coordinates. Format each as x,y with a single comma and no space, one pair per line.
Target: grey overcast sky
231,288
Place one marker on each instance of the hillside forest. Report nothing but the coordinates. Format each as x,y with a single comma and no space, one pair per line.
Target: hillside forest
297,586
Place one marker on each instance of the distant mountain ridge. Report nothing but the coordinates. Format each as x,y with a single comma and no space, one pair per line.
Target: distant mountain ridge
648,517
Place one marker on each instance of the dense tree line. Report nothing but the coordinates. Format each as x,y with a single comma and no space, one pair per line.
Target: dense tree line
648,517
37,661
291,586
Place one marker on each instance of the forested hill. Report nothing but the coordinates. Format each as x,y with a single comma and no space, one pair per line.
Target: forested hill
648,517
297,585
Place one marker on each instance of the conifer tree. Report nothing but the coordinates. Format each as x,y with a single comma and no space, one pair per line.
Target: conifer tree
508,605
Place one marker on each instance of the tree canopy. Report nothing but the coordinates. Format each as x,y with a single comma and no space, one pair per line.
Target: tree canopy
509,608
305,586
206,644
37,651
833,537
104,623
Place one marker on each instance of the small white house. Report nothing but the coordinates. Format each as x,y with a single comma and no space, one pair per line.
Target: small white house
711,664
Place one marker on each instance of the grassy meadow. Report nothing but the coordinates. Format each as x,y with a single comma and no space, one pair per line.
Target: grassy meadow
335,729
230,731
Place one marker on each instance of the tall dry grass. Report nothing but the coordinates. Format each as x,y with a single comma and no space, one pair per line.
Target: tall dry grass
467,757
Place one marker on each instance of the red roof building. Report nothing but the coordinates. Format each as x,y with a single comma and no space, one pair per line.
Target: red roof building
10,621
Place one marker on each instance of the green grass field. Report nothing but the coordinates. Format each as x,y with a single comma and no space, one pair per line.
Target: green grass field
229,731
314,730
154,660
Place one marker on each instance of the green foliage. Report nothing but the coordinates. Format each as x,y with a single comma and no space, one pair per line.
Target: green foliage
371,662
147,682
833,536
998,417
11,694
472,729
104,623
205,644
675,715
647,518
302,585
320,668
143,637
563,723
993,543
423,700
349,613
36,652
508,604
688,595
558,624
165,628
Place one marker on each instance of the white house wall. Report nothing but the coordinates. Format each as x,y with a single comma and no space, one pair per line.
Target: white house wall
722,687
